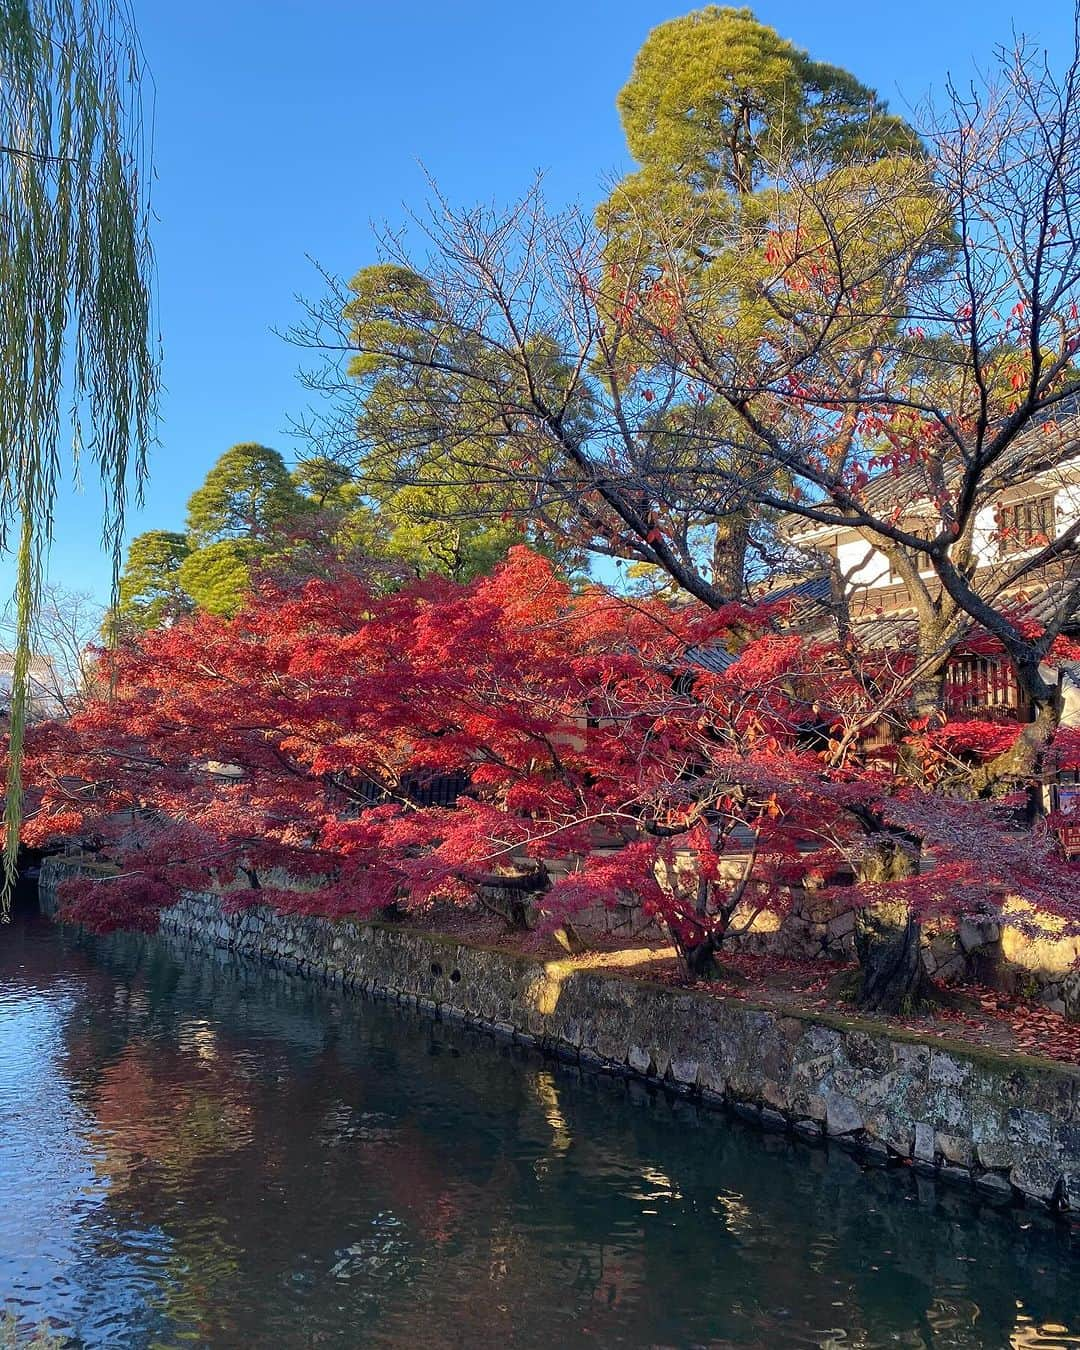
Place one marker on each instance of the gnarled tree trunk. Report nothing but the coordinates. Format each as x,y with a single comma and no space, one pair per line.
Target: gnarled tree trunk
509,893
513,896
730,544
888,936
1024,758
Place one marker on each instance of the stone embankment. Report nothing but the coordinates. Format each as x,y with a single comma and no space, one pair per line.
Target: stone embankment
1008,1125
1035,957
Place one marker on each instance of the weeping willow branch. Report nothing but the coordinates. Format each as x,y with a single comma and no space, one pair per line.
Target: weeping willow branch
78,357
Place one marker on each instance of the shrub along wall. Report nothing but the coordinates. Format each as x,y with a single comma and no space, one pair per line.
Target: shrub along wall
1009,1125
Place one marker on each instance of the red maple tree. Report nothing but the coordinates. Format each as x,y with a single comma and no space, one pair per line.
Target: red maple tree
339,752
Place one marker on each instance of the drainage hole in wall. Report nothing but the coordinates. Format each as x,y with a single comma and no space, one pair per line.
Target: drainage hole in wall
455,976
436,969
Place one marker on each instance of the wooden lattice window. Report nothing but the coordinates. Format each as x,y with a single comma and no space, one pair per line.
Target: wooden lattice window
1026,524
981,683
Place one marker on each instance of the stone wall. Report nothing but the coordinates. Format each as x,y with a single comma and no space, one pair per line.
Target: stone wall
1035,959
979,950
1008,1125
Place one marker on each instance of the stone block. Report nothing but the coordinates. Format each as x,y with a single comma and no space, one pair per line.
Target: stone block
1036,1177
952,967
842,925
955,1149
896,1134
816,1109
685,1071
1067,1141
948,1070
843,1115
994,1187
712,1079
821,1041
913,1061
995,1153
950,1109
977,932
639,1060
925,1148
1032,1129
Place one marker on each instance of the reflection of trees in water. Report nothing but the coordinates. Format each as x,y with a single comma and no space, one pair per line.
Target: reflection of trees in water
817,1236
319,1161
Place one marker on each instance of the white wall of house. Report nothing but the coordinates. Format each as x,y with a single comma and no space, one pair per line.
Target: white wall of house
862,565
1070,694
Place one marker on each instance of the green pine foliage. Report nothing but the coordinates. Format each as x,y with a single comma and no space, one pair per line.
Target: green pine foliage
434,453
716,97
217,576
723,115
252,518
151,592
246,495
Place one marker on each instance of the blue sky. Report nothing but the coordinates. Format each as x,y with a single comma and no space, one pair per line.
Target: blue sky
285,128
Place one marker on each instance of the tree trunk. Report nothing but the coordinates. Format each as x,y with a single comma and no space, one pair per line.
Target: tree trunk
699,953
1024,759
507,894
926,703
730,543
700,958
888,943
888,937
928,694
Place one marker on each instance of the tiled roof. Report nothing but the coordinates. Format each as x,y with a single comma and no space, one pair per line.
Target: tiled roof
1028,456
885,616
812,589
713,658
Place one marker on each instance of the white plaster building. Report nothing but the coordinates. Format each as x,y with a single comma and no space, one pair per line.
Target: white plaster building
1032,498
1014,525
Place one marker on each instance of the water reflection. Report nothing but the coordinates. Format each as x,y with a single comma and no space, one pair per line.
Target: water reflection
205,1154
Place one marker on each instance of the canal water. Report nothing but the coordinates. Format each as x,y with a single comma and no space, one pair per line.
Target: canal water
200,1152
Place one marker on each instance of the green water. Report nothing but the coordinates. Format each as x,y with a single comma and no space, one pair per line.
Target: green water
203,1153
